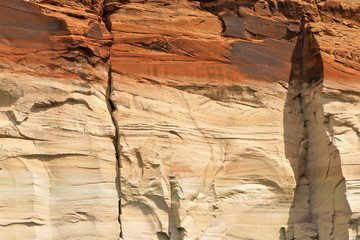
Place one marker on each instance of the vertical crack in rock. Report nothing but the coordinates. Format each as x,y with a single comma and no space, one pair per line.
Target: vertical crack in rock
317,164
112,108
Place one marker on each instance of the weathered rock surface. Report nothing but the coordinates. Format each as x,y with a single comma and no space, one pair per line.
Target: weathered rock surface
58,161
179,119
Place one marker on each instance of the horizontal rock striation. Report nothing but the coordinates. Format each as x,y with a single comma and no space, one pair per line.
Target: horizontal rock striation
179,120
58,161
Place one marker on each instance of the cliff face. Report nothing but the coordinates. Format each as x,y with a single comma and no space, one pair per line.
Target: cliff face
179,119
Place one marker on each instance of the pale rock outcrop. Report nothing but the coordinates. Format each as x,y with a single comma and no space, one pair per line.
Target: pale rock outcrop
57,156
192,148
58,165
179,120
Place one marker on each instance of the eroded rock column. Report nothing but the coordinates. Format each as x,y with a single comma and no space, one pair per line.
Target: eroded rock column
321,168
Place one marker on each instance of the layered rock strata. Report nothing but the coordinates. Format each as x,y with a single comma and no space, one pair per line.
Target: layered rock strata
58,164
179,120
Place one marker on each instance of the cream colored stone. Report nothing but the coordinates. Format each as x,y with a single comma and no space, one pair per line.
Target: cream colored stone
57,159
342,113
212,141
199,168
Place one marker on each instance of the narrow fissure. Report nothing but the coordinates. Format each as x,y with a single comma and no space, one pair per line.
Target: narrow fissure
112,109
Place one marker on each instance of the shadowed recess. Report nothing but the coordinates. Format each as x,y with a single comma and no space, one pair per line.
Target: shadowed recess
320,209
23,25
259,60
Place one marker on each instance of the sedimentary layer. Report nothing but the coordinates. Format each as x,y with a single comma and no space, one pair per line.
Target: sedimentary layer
179,120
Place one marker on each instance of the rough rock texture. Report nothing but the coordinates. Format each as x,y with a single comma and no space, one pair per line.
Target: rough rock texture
179,119
58,164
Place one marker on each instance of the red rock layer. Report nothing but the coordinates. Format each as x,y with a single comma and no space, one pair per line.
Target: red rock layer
54,38
210,141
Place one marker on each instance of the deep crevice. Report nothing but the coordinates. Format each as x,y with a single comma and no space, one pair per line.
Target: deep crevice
112,109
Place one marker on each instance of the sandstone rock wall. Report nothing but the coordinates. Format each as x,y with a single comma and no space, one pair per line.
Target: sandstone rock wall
179,119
